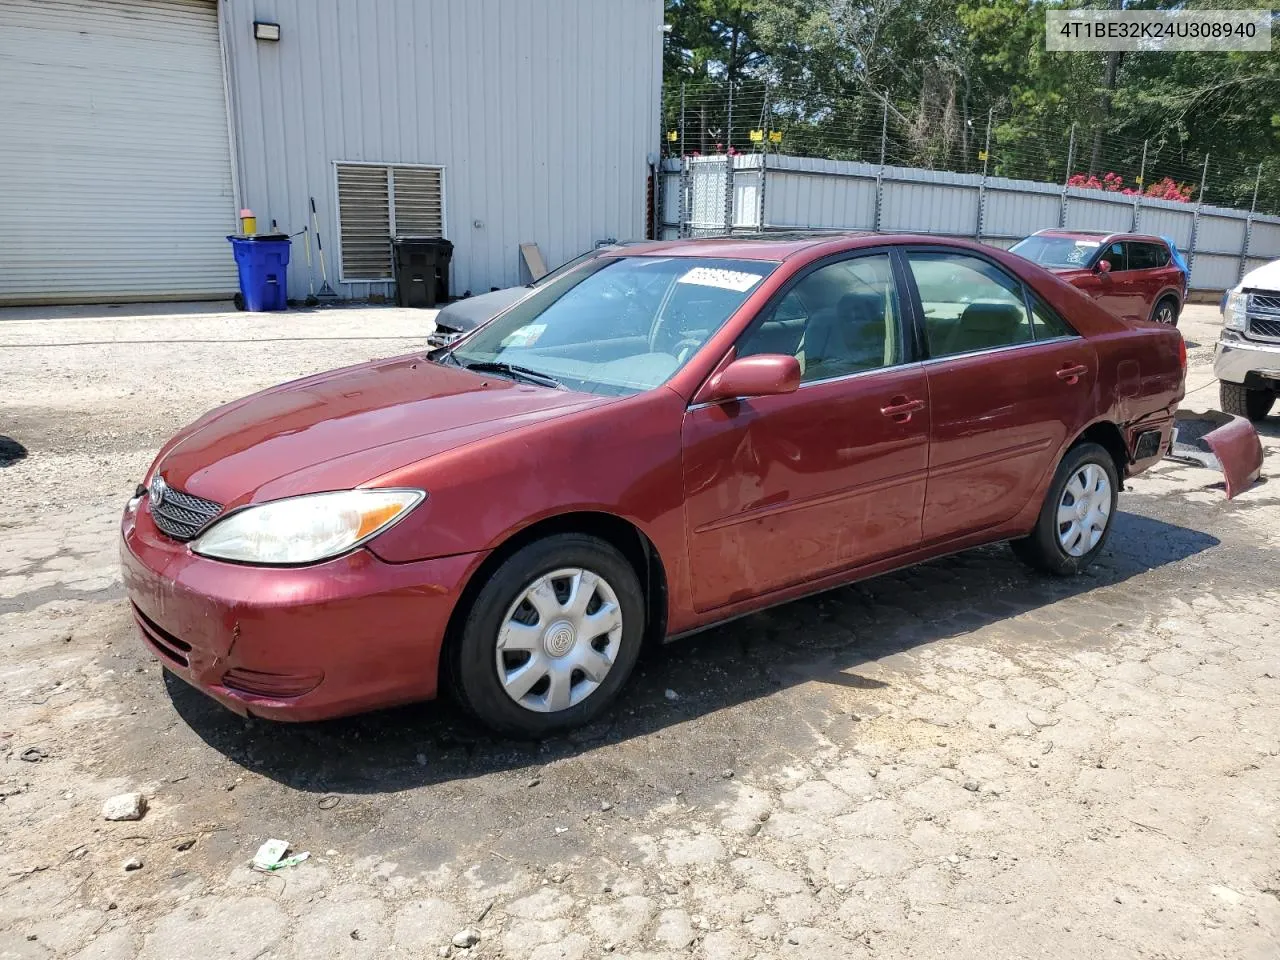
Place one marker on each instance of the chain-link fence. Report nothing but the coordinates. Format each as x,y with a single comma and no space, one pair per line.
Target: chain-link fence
752,116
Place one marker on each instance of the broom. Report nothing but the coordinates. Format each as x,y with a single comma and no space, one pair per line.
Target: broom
326,292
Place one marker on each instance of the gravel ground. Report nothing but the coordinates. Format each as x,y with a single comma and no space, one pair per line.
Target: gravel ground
961,760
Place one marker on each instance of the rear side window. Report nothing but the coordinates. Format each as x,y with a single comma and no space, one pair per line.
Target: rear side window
1145,256
1159,254
1047,324
969,304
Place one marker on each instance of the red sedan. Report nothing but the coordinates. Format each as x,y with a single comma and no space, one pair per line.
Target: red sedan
1136,276
655,442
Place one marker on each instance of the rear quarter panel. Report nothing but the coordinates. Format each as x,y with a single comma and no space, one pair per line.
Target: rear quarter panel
1140,379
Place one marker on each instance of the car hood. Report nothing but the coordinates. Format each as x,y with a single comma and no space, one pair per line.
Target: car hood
462,316
1265,277
340,429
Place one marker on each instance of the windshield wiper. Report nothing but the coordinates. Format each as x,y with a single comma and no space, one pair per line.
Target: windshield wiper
515,372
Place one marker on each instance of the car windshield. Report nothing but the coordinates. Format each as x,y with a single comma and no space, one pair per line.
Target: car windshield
1056,251
615,325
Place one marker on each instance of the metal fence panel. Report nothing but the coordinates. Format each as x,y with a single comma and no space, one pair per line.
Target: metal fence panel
1088,213
1010,216
1264,241
1174,224
930,208
1220,235
1214,271
796,197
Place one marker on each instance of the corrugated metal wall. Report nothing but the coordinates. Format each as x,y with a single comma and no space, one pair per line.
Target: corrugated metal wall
805,192
542,112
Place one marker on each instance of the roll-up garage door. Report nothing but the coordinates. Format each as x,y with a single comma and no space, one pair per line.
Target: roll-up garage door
115,166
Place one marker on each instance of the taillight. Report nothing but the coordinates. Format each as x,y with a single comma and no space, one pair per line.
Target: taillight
1182,353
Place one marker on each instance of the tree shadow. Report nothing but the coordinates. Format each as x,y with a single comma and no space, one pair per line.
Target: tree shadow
823,638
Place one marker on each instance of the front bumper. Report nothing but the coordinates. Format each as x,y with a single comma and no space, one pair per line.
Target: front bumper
1246,361
301,643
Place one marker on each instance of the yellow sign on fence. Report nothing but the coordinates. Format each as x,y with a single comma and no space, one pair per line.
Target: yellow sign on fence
775,136
757,136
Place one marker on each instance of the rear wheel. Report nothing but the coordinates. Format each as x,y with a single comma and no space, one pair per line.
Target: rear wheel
1166,312
1076,517
1244,401
550,638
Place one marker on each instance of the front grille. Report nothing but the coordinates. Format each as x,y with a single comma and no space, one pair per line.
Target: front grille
182,516
1265,328
163,642
1267,302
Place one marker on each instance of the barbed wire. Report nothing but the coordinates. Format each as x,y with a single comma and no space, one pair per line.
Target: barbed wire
800,120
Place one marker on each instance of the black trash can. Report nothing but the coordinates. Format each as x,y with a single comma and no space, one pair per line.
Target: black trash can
422,270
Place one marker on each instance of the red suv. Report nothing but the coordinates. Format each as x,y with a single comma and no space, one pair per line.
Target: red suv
1135,276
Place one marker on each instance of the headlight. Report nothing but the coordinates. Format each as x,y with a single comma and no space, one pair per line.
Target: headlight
305,529
1234,315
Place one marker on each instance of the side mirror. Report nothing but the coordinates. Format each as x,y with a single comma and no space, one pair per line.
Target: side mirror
1103,266
764,375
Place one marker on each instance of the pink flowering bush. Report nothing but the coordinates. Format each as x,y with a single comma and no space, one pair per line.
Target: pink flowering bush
1165,188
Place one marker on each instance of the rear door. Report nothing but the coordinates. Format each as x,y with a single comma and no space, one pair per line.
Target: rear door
1009,382
1148,276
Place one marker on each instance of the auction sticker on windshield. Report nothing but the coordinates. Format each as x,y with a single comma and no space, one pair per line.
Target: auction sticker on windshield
526,336
737,280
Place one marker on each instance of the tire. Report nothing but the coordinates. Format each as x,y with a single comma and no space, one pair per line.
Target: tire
556,641
1166,312
1044,549
1245,402
238,300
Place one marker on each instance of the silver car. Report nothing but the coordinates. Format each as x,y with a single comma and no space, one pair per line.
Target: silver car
1247,358
463,316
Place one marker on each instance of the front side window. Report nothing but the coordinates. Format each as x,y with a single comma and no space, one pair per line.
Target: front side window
842,318
1115,255
969,304
615,325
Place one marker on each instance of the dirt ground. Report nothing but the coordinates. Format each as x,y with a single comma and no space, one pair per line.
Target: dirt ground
963,760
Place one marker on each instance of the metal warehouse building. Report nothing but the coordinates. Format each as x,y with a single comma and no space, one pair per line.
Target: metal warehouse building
134,130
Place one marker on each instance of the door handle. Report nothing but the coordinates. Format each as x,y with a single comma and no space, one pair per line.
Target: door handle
901,408
1072,372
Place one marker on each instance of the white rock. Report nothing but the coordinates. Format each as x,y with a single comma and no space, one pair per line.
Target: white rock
126,806
466,938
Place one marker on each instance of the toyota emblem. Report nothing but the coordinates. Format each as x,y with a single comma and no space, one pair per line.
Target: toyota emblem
155,493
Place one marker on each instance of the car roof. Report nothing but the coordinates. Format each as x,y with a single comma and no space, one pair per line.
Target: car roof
776,245
1098,235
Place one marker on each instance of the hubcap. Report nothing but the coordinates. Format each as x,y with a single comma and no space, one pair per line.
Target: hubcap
1164,315
559,640
1085,510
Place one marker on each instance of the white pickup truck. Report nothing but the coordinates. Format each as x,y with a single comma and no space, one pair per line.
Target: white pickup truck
1247,359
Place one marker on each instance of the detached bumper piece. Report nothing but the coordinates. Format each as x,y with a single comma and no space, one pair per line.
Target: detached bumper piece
1220,442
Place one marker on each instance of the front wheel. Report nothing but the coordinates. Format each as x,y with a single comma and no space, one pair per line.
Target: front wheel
550,638
1166,312
1245,402
1076,517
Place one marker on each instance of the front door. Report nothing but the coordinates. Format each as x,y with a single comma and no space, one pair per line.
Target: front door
1009,382
785,489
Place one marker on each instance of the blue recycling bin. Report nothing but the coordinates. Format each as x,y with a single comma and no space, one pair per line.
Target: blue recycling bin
263,264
